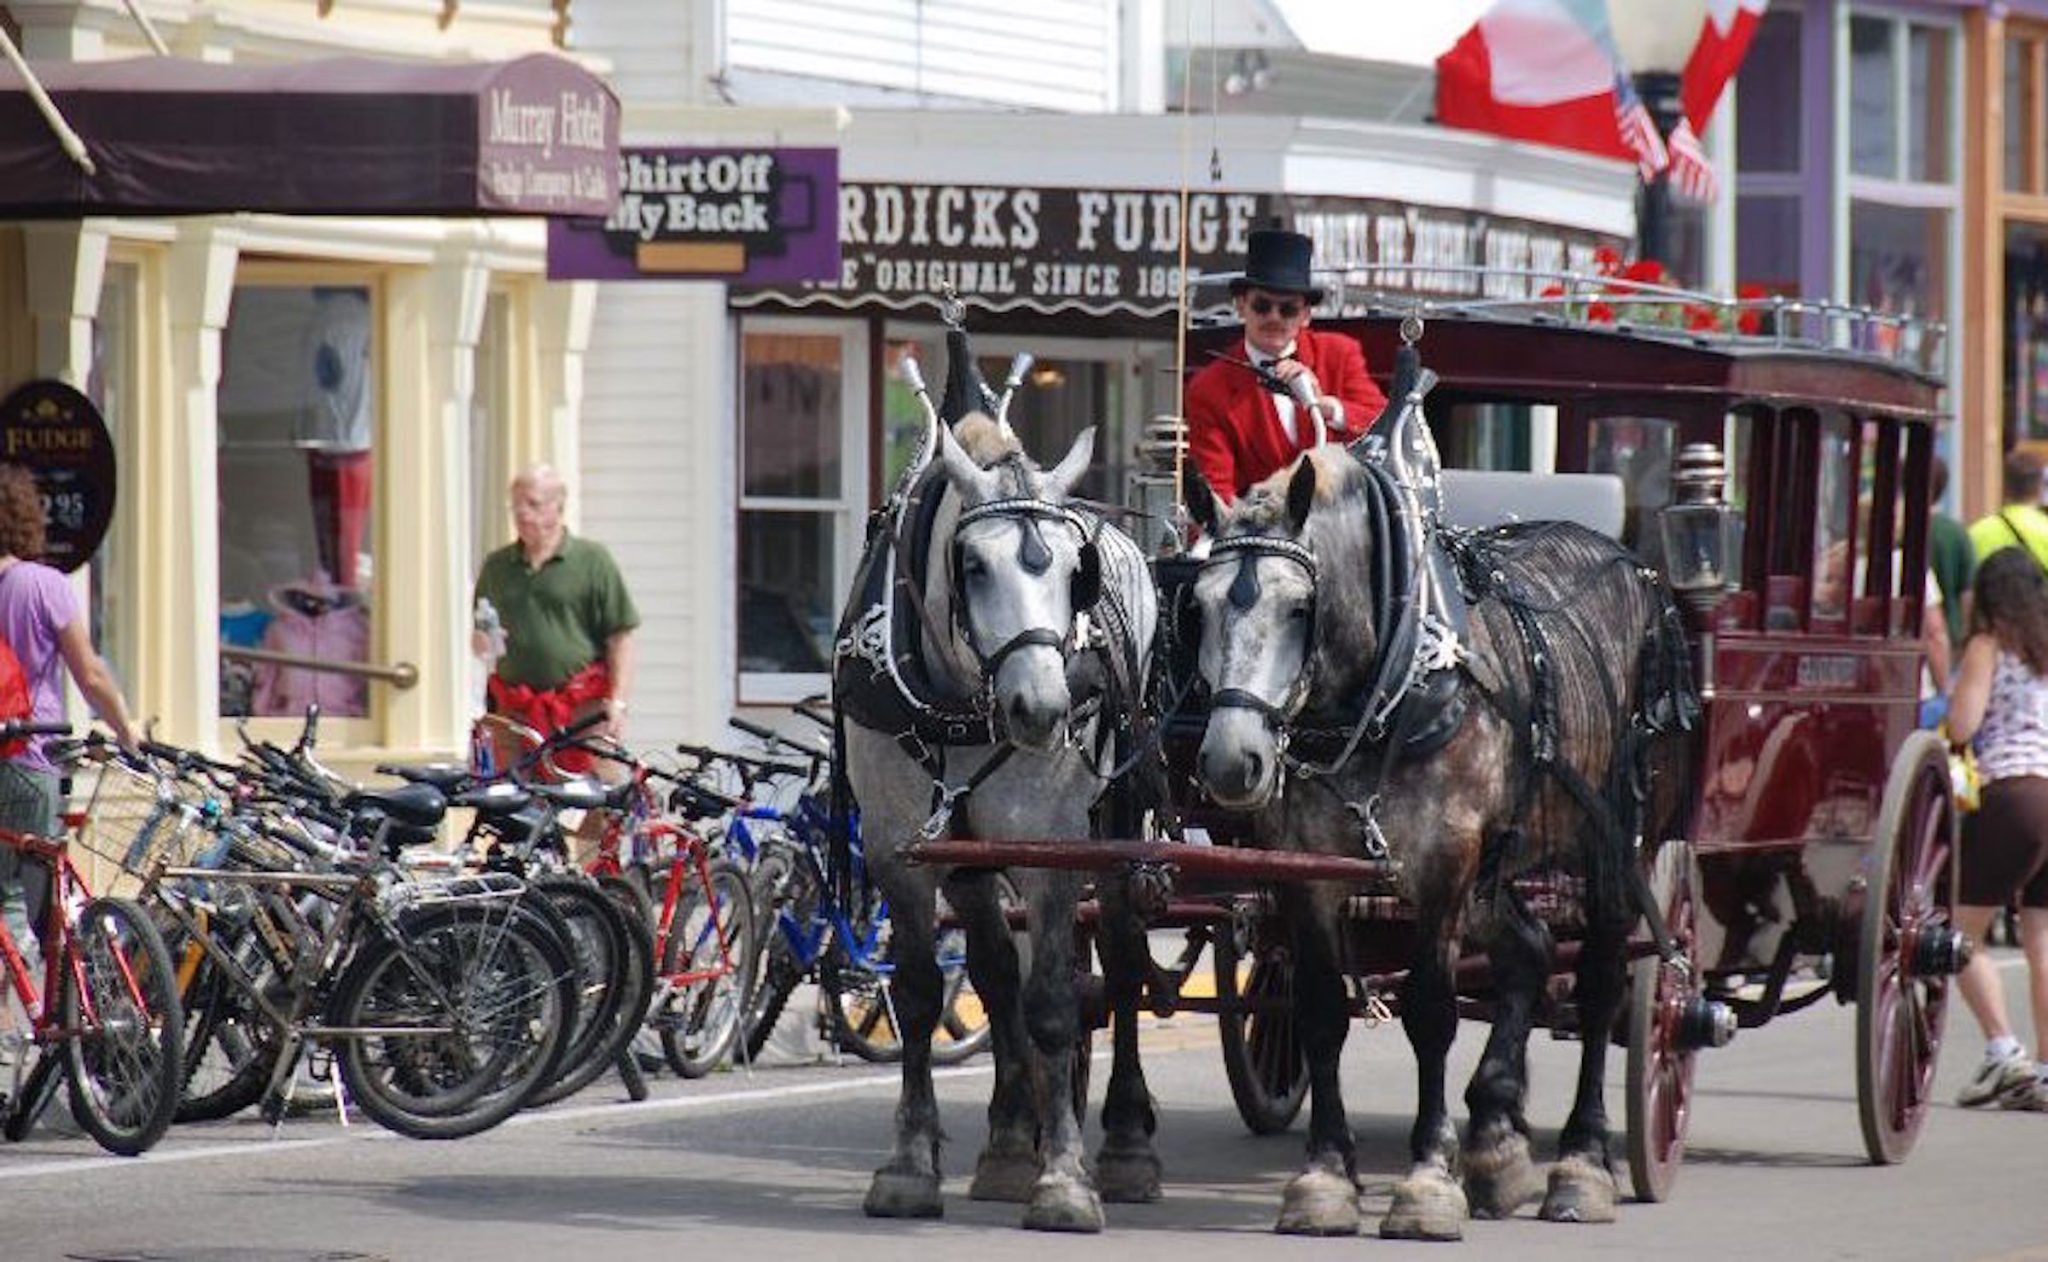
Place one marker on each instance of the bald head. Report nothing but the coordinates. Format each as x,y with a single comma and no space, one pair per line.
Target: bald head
538,494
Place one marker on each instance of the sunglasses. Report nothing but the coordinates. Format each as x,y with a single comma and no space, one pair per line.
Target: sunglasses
1287,307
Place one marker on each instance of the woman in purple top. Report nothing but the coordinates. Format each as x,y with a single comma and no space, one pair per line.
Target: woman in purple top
41,622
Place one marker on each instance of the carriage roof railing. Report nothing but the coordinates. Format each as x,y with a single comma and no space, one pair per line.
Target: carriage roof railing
1621,304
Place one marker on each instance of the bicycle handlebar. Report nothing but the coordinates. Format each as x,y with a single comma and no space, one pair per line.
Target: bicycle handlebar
15,729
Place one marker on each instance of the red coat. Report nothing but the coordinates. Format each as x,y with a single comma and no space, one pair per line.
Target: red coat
1234,431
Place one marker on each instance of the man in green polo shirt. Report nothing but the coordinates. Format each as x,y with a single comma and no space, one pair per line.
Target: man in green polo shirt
567,618
2019,521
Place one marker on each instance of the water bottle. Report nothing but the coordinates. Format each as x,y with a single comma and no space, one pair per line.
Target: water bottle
493,629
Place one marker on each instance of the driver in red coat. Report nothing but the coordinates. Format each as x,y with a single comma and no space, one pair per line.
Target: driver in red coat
1243,425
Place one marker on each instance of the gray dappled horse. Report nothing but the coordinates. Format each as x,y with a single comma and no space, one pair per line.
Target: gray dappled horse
1537,773
1009,580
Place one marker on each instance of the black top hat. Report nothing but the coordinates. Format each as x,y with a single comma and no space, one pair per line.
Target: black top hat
1278,261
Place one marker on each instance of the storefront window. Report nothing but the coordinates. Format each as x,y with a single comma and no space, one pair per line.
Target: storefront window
1928,74
112,390
1767,231
1898,263
1873,98
802,492
1767,96
2026,334
298,420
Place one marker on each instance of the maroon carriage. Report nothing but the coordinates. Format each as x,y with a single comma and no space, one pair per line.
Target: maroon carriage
1774,462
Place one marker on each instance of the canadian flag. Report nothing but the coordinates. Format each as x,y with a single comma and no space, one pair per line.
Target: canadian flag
1724,42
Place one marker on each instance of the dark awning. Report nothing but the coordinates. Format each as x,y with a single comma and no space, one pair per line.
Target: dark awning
343,135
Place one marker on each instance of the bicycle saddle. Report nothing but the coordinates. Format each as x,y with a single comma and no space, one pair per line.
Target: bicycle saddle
445,776
410,803
493,799
582,795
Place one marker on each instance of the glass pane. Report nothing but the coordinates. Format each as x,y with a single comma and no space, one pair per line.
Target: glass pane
1638,450
787,599
112,389
1767,231
790,412
2016,97
1929,82
1873,104
297,424
1898,263
1832,520
1767,94
2026,325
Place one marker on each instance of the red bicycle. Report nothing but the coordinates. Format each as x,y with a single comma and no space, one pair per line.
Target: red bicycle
106,1017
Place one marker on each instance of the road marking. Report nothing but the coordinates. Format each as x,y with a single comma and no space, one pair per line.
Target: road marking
363,1131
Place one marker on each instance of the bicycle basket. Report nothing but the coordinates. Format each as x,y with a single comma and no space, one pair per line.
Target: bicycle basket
134,819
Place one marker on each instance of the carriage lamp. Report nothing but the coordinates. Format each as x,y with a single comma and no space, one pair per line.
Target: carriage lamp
1699,537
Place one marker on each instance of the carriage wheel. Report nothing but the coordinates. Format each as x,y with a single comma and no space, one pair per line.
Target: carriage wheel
1261,1055
1899,1004
1660,1064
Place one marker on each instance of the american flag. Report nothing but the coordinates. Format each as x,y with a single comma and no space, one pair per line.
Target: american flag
1638,130
1692,175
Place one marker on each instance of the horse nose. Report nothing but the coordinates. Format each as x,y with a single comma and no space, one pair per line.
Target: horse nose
1234,775
1035,711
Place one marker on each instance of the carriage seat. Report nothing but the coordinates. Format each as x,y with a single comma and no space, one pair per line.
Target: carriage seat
1476,499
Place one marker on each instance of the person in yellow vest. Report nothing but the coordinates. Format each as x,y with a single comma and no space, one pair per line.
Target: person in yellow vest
2019,521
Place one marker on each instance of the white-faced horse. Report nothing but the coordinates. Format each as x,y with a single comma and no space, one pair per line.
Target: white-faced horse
1543,719
994,702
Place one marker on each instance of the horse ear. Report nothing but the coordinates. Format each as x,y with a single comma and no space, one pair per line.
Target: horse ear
1062,477
961,471
1301,492
1201,501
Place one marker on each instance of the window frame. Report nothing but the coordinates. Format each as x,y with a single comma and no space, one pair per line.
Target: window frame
847,511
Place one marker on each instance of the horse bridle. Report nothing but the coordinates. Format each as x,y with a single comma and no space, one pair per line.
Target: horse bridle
1036,558
1246,551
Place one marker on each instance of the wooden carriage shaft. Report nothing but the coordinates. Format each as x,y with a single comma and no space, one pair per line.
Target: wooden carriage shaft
1210,863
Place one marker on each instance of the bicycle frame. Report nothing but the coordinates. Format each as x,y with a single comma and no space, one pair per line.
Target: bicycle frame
67,894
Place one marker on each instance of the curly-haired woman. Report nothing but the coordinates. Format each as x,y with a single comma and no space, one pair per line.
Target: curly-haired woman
2000,702
40,620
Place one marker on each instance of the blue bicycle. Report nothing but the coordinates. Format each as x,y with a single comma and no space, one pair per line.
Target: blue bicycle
807,932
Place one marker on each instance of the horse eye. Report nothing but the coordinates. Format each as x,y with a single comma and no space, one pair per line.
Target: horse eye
973,567
1299,613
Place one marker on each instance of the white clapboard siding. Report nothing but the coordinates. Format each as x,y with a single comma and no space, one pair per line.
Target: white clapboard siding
1048,54
646,46
656,440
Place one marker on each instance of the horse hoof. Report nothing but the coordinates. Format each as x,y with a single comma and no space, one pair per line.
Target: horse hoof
1427,1206
903,1194
1004,1176
1319,1202
1062,1203
1581,1191
1128,1176
1501,1178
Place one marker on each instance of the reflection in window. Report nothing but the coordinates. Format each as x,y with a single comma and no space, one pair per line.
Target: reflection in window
1767,95
1898,263
1927,80
1767,231
794,489
297,406
1873,99
1638,450
1833,517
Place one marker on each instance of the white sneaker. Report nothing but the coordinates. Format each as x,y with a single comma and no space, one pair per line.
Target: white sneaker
2030,1096
1996,1079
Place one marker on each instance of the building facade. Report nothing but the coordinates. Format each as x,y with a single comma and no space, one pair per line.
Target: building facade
314,416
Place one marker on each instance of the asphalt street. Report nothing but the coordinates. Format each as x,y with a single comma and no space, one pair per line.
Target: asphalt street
773,1163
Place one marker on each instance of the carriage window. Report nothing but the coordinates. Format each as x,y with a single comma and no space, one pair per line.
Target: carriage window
1834,523
1780,517
1638,450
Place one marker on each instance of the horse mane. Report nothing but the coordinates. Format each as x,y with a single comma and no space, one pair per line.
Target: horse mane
988,443
1263,506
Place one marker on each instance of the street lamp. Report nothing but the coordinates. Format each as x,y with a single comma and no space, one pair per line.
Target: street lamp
1699,538
1655,38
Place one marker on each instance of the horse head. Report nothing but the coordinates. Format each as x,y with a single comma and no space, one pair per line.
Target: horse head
1286,616
1021,565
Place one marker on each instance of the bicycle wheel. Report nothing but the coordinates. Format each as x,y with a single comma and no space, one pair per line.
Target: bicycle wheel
594,930
475,1001
857,999
963,1028
126,1057
781,884
625,1000
231,1048
706,965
